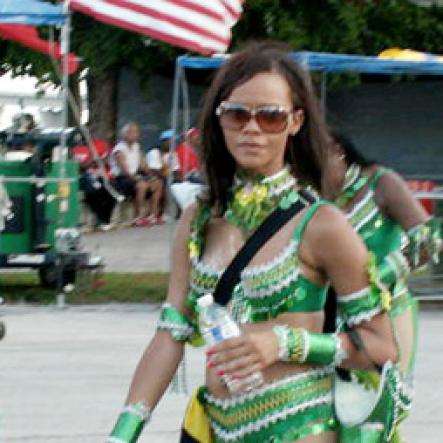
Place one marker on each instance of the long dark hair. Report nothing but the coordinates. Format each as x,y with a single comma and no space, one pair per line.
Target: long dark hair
305,152
352,154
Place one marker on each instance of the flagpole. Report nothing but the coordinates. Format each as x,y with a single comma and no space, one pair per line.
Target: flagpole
63,153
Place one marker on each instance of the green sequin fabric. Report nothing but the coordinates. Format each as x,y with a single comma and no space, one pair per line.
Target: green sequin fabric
254,198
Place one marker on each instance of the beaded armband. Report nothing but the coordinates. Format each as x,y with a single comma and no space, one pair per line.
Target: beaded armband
176,323
367,302
301,346
130,423
427,237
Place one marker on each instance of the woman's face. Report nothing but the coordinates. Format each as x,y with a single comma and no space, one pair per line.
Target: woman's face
255,149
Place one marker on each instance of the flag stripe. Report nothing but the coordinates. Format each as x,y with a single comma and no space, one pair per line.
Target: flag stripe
202,47
200,26
147,25
169,18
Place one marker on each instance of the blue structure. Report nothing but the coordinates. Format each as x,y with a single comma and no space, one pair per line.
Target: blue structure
335,63
31,12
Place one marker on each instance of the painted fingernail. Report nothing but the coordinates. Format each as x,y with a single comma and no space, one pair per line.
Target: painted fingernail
208,353
236,377
220,372
210,364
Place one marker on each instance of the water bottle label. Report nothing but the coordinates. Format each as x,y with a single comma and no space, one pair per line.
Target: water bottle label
217,334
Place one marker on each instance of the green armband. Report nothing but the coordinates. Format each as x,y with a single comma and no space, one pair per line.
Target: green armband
176,323
130,423
425,236
301,346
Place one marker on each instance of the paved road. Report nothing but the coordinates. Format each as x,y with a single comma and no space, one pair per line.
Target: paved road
133,249
64,375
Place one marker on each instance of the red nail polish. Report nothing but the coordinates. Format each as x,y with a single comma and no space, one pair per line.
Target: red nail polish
208,353
210,364
236,377
220,372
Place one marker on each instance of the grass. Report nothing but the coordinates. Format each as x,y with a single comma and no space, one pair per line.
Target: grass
146,287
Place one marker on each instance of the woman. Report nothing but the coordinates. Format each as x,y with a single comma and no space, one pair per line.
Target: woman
394,227
260,120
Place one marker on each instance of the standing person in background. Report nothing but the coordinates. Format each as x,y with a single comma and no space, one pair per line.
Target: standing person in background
261,131
396,230
134,179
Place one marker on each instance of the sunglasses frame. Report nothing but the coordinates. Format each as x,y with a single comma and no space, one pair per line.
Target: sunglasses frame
253,112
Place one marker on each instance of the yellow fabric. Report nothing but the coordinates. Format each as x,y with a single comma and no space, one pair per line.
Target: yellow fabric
196,421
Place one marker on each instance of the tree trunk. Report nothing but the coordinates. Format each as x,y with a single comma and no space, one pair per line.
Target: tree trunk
102,103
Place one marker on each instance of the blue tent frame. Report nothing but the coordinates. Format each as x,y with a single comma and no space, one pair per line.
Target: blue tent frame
31,12
335,63
323,62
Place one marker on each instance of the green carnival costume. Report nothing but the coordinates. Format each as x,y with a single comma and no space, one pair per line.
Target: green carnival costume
293,407
385,238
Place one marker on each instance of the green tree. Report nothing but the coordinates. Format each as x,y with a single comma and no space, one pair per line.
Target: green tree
352,26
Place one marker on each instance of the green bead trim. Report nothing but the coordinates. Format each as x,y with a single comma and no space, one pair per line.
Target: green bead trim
353,183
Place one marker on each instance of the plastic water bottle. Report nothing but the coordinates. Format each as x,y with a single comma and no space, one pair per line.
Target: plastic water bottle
217,325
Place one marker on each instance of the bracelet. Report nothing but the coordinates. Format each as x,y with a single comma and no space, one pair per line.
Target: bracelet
301,346
130,423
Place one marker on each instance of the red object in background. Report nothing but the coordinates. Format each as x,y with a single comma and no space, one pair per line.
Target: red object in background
423,186
83,154
187,158
27,36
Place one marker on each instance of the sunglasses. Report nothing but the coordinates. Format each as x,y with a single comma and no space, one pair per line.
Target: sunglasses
270,118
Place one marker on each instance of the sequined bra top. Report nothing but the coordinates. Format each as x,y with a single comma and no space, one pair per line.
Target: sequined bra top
380,233
264,291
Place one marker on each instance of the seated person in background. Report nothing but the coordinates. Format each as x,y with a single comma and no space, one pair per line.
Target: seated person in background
159,159
187,156
133,178
91,182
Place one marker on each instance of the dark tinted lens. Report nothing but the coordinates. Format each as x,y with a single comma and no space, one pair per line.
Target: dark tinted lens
234,117
272,120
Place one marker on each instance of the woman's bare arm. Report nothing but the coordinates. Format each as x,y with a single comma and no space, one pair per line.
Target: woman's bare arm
342,255
162,356
397,201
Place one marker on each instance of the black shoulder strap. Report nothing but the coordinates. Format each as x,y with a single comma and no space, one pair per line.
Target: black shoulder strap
278,218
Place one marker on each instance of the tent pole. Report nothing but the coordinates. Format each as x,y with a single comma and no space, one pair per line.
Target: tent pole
323,87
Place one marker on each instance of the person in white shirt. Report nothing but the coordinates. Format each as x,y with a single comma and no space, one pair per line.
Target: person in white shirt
133,178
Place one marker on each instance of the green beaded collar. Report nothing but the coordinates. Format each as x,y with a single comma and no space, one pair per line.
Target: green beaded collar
254,198
353,183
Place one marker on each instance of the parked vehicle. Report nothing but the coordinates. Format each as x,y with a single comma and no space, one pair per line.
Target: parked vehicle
39,207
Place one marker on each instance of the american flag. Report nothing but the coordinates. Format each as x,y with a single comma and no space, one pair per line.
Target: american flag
202,26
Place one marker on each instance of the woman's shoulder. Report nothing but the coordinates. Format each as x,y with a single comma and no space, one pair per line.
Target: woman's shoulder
326,222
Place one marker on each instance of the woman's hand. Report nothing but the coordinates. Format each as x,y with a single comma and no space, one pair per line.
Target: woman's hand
242,356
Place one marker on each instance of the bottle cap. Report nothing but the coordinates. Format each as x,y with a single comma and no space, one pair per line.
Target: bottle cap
205,300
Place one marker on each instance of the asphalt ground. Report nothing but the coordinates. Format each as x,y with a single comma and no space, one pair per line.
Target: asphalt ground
129,249
64,374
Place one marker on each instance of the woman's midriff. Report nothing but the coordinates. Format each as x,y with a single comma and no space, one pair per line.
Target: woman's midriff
310,321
